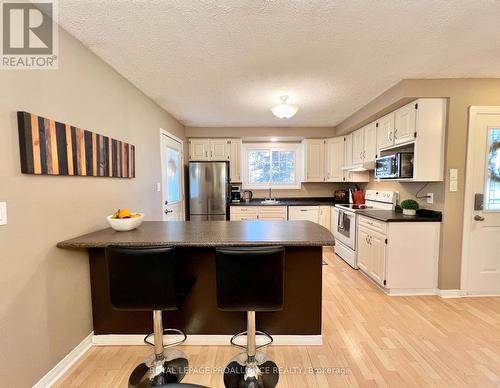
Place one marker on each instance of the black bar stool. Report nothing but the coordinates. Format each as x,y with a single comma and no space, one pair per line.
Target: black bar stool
250,279
146,279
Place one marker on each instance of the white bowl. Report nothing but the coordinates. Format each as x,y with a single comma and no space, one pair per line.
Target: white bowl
125,224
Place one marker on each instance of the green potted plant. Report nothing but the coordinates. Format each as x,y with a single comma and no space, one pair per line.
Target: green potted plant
409,207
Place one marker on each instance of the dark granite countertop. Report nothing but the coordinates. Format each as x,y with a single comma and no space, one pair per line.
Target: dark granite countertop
209,234
423,215
304,201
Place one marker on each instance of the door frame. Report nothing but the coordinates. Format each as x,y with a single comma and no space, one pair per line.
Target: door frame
474,112
164,132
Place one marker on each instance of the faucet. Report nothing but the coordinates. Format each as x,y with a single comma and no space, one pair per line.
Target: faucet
270,194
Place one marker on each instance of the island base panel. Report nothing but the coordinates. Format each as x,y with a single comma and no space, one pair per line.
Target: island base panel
301,314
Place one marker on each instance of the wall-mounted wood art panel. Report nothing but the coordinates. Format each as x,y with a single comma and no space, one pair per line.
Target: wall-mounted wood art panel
52,148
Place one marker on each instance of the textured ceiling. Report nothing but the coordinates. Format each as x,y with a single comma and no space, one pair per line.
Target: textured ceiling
225,62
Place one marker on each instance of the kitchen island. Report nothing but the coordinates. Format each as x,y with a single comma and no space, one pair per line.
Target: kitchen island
195,243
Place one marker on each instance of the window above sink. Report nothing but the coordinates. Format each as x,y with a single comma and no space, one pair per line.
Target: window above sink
276,165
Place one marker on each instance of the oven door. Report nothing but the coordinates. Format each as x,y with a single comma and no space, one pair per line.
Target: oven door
345,227
386,167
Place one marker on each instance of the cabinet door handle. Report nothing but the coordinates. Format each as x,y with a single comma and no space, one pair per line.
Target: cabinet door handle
390,136
206,154
395,134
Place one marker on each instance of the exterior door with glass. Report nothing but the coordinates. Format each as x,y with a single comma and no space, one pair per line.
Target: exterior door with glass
172,177
481,245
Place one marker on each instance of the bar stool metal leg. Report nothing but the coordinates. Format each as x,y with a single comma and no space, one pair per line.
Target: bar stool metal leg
251,369
165,366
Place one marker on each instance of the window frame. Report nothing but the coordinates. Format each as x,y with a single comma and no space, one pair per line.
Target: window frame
272,146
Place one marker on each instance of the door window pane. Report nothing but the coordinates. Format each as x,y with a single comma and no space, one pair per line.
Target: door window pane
173,175
492,190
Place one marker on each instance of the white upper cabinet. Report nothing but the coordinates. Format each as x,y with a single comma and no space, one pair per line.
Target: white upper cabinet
334,156
358,146
314,160
430,130
347,156
370,142
385,131
405,123
219,149
235,160
199,149
209,149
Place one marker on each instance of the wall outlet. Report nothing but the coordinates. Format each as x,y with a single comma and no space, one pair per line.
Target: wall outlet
430,197
3,213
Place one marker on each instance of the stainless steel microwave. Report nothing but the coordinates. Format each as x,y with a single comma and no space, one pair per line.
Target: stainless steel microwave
398,165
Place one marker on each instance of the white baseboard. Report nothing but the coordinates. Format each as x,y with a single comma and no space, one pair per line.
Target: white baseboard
67,362
411,292
198,339
449,293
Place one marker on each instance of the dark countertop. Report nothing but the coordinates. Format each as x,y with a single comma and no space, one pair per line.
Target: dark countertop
209,234
304,201
423,215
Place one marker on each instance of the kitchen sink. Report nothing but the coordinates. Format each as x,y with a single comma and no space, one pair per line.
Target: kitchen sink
270,202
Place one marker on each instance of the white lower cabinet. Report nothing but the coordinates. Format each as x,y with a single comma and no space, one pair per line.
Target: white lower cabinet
402,257
324,217
273,213
303,213
263,213
243,213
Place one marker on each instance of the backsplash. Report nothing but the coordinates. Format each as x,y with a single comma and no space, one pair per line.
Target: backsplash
408,190
306,190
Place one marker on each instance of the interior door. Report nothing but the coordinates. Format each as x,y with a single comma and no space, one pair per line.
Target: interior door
172,178
482,206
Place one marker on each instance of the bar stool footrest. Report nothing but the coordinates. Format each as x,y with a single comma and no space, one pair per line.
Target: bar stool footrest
165,332
257,332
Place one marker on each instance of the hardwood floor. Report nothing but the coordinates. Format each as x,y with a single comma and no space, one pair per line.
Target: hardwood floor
370,338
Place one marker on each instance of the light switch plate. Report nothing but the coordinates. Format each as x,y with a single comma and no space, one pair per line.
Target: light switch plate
453,174
453,186
3,213
158,187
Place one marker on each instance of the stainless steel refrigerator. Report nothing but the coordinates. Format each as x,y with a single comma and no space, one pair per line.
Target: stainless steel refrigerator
208,190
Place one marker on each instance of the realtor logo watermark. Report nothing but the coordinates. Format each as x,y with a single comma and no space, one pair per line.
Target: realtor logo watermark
29,34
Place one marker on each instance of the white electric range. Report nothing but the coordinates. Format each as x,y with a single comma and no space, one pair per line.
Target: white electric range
345,222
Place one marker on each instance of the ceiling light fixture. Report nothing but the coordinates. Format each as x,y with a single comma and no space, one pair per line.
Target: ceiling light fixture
274,139
284,110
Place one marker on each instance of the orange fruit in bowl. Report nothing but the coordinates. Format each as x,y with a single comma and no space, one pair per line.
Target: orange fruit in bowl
122,213
135,215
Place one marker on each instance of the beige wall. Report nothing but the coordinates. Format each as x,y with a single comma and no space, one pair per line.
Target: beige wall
259,132
462,93
45,295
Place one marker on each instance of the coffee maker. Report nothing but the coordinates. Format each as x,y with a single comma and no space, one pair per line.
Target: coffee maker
235,194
